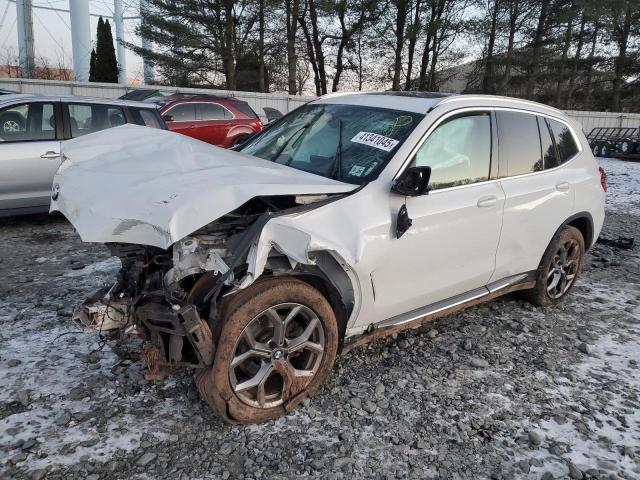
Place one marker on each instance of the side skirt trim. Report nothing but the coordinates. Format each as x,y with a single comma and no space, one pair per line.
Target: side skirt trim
420,316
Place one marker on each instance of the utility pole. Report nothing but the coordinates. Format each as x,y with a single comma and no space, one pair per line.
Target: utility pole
146,44
25,37
118,19
80,38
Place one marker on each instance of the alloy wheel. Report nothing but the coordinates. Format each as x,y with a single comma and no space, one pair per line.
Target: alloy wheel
563,269
10,126
279,351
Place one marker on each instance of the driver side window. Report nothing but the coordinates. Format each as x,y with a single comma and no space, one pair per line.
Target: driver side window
458,151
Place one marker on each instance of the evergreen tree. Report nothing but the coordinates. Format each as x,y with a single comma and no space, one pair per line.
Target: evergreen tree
105,64
92,66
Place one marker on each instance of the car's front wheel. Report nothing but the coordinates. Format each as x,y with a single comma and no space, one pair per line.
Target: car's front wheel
559,268
276,343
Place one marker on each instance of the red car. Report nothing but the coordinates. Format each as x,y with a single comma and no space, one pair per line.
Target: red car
221,121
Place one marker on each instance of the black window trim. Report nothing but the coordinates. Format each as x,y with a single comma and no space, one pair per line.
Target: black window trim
56,112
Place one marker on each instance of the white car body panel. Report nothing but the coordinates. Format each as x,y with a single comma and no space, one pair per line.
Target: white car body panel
137,185
133,184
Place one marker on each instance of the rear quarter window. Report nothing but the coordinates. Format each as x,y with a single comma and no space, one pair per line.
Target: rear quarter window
145,117
565,142
245,109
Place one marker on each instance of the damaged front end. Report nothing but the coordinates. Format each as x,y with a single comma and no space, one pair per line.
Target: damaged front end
171,298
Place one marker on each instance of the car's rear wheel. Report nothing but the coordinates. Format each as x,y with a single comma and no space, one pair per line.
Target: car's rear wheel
276,343
559,268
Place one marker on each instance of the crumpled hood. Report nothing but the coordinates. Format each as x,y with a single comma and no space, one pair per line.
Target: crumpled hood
141,185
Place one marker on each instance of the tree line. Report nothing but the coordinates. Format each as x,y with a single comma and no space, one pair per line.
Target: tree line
581,54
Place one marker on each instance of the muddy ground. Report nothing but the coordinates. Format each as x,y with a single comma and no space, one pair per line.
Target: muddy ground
504,390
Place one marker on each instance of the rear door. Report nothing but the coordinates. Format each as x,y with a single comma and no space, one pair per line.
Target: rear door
85,118
214,121
30,136
538,188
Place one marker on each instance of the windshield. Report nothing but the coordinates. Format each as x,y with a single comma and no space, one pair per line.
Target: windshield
350,143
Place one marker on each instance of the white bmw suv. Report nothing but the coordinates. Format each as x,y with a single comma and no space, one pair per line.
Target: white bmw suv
350,218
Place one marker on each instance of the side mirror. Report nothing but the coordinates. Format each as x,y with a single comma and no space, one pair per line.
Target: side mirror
414,181
167,118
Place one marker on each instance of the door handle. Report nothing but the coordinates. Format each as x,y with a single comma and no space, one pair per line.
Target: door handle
50,154
192,126
563,186
488,201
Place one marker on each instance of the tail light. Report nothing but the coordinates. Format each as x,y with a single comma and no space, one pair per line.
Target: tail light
603,178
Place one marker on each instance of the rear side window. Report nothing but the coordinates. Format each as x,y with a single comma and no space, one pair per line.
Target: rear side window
28,122
183,112
519,143
458,151
565,142
245,109
211,111
145,117
85,118
549,154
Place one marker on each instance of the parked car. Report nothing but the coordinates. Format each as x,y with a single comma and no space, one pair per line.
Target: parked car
351,218
221,121
32,128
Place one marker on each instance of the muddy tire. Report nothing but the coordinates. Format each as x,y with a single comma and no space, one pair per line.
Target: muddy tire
559,267
277,341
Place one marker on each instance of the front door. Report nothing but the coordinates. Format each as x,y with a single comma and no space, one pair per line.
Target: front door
183,119
29,153
451,246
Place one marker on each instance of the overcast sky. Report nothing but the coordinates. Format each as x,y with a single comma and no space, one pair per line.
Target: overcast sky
52,35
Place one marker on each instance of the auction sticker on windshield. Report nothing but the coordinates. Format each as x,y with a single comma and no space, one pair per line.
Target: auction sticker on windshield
375,140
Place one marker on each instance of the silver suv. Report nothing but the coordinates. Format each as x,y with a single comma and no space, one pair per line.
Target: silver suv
32,128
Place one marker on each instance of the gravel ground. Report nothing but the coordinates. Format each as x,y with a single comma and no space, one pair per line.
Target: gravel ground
503,390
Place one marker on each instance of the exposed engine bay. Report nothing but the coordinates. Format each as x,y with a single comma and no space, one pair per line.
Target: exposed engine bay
171,298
